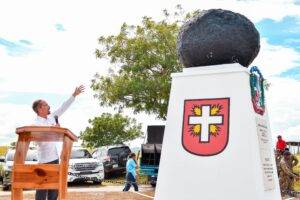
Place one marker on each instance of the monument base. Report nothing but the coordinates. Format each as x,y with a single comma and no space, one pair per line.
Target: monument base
240,165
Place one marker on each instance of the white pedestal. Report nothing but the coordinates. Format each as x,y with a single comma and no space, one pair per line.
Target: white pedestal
243,168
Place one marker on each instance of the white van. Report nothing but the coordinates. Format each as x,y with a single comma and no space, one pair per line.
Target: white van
82,167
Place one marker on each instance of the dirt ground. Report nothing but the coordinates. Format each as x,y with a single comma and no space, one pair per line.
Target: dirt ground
105,196
96,196
86,191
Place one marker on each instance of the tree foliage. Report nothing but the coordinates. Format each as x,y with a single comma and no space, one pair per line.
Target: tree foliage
145,56
13,144
110,129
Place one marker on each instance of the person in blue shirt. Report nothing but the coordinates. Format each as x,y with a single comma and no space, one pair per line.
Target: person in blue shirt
131,167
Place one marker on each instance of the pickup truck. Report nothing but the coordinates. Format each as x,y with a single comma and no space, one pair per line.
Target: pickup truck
82,167
150,153
114,158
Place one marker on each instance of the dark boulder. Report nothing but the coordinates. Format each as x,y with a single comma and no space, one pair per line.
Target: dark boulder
218,37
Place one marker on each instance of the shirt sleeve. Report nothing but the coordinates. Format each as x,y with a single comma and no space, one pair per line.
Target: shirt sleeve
133,164
64,106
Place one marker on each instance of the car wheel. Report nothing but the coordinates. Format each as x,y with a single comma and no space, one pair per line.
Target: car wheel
6,188
106,175
97,182
153,184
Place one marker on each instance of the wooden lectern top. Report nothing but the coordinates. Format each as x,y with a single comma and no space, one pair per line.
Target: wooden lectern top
41,176
45,133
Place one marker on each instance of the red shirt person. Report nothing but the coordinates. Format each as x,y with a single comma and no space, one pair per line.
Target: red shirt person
281,144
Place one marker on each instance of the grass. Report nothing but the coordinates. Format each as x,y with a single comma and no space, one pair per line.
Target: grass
120,180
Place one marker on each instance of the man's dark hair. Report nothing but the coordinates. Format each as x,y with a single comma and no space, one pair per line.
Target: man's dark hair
131,155
36,104
286,153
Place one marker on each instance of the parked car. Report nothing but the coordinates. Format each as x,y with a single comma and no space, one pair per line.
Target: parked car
31,158
114,158
83,167
2,162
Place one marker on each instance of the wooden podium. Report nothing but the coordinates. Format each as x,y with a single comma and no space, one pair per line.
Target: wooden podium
41,176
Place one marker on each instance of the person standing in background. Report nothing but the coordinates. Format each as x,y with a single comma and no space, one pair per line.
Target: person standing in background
286,175
131,167
281,144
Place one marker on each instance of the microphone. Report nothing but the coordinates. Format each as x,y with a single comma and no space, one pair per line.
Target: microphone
56,119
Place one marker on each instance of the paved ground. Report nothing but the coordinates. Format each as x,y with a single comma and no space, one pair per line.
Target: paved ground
101,192
96,193
95,196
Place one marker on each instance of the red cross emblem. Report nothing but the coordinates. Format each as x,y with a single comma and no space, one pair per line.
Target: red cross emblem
205,126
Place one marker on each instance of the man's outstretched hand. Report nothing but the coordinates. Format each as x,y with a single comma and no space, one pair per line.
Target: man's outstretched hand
78,90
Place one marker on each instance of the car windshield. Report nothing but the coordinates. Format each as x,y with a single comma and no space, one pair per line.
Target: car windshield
31,156
80,153
118,150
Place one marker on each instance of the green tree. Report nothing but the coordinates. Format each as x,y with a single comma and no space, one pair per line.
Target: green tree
110,129
13,144
144,57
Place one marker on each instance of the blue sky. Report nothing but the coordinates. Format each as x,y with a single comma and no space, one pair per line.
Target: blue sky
45,55
23,47
16,48
60,27
293,73
286,33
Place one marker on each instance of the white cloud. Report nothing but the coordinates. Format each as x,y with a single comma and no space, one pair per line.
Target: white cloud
282,97
283,103
86,107
11,117
255,10
272,59
66,59
292,134
76,117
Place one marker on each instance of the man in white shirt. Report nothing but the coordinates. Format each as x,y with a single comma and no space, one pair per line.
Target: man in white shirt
47,151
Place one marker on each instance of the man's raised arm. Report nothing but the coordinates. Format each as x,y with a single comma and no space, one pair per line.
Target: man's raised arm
66,104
